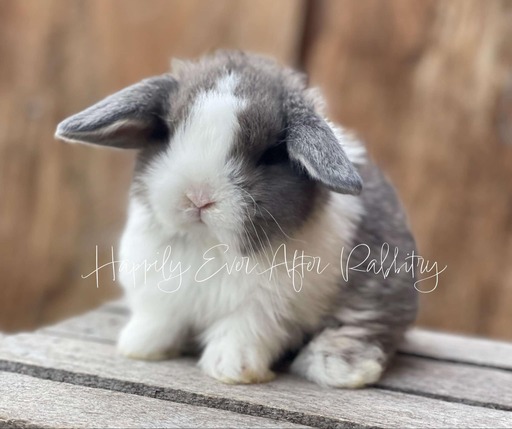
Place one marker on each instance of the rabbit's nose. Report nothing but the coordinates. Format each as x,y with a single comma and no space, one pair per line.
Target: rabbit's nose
200,198
202,206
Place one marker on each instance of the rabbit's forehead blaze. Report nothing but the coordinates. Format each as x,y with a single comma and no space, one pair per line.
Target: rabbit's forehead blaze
207,135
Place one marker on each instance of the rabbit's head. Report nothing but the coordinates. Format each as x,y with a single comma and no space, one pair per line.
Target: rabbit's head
232,145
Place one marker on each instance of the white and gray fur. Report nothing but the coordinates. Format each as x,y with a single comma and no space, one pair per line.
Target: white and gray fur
235,159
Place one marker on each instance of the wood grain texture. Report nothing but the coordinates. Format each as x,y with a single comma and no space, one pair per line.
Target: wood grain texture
367,407
105,323
416,374
427,86
80,380
50,404
57,57
466,382
440,345
427,392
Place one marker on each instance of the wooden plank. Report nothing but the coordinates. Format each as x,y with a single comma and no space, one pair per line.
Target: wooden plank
445,346
100,326
51,404
295,397
440,379
107,320
411,374
116,306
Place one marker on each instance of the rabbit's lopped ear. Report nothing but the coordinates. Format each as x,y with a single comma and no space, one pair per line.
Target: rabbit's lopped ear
312,143
131,118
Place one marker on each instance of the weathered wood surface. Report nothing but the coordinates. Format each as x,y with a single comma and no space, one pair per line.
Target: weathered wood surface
50,404
438,380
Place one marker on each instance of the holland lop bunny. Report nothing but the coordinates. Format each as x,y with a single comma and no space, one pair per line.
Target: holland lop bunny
238,167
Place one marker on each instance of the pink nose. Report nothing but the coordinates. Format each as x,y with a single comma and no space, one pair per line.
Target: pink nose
200,199
205,205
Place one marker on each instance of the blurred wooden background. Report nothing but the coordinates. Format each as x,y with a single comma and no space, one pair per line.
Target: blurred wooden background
427,84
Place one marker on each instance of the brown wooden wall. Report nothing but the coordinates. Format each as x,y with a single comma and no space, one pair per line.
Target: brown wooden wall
427,84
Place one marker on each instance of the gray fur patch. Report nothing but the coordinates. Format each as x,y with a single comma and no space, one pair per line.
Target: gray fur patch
131,118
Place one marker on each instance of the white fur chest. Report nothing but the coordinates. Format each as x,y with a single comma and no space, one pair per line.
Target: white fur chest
194,281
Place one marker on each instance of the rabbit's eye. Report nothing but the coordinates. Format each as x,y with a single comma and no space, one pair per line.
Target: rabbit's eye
277,154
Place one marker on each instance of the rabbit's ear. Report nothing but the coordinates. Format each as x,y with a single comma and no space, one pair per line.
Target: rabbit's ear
131,118
312,143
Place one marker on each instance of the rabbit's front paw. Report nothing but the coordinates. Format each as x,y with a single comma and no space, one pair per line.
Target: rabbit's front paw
346,362
234,363
142,339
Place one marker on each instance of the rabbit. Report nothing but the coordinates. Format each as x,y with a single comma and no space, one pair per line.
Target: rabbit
238,166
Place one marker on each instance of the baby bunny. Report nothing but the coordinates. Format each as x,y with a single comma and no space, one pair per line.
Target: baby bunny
254,205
